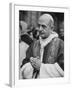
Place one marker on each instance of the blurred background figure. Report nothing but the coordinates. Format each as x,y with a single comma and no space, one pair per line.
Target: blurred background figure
23,26
35,33
25,36
24,40
61,30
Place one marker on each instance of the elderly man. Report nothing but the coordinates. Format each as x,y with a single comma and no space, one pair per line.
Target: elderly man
45,57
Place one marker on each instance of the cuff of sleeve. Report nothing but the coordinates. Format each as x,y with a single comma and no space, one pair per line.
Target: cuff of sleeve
59,69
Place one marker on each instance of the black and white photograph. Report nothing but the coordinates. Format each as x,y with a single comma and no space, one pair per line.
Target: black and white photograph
41,44
36,44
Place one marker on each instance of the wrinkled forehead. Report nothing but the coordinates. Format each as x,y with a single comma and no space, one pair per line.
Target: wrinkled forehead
42,22
45,19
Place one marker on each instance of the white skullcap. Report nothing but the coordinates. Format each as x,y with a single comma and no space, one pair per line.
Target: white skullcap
47,17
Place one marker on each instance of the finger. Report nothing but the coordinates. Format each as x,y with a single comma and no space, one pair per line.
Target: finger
33,63
31,58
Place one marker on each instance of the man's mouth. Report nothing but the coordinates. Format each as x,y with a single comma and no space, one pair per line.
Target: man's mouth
41,33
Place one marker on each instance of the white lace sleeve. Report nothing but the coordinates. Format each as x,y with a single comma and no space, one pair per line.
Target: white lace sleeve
51,70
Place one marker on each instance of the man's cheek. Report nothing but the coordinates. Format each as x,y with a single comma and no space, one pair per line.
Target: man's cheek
43,35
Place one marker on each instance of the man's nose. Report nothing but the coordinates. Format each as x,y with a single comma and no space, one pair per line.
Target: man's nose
40,28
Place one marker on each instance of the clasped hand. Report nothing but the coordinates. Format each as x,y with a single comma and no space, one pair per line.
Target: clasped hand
35,62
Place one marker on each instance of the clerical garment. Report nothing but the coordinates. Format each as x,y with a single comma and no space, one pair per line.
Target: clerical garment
52,57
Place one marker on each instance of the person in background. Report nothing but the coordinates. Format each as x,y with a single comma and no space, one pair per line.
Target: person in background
45,56
24,41
61,30
25,33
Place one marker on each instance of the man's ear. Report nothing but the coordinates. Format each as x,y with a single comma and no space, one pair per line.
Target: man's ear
51,25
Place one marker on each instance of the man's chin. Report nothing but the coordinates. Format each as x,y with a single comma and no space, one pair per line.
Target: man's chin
43,37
